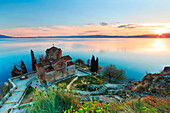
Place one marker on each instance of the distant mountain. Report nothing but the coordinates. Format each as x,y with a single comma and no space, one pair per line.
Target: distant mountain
167,35
3,36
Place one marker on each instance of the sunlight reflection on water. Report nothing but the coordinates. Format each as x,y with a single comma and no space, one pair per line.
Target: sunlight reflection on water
136,56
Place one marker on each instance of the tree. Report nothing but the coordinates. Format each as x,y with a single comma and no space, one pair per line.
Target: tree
92,64
96,65
100,69
113,73
80,61
88,62
34,61
15,72
23,67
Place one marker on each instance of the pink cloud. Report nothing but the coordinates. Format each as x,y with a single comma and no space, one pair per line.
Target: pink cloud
109,29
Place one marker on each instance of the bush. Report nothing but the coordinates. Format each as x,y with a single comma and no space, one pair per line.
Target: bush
158,78
55,101
144,105
139,88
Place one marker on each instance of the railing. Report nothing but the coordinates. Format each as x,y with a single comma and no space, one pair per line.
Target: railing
5,98
83,70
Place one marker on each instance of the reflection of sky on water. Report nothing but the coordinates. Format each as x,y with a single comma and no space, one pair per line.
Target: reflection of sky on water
136,56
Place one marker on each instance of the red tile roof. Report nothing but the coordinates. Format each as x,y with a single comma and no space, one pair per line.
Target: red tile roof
49,69
70,63
45,62
53,49
55,61
66,57
39,65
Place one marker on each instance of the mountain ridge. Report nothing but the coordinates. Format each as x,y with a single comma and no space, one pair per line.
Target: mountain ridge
166,35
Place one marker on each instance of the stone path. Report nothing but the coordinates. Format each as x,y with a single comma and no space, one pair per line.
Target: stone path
68,86
14,98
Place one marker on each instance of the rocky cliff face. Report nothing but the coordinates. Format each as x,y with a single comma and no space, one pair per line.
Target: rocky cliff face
151,84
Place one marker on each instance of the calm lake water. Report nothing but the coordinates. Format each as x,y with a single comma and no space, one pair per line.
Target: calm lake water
135,56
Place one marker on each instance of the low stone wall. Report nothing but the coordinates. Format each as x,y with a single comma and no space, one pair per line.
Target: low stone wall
13,87
83,70
9,93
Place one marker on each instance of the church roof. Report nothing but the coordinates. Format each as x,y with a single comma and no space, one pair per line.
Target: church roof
45,62
39,65
66,57
53,49
70,63
49,69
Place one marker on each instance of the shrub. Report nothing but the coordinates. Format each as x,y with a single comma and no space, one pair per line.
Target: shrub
55,101
144,105
139,88
146,86
158,78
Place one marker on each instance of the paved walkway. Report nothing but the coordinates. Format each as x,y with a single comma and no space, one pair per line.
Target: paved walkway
14,98
79,73
68,86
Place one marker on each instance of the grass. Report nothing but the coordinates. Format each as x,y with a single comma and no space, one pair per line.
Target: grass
66,81
55,101
79,85
28,96
88,79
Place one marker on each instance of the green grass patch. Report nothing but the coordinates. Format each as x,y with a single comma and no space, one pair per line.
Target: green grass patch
28,96
66,81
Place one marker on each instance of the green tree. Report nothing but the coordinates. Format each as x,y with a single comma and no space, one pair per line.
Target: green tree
34,61
88,62
113,74
93,64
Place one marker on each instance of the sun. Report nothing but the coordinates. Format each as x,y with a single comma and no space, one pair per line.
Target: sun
160,31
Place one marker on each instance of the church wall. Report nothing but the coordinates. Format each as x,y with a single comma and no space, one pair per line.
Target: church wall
50,76
40,73
71,69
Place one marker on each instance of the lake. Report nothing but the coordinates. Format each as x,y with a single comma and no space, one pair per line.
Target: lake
136,56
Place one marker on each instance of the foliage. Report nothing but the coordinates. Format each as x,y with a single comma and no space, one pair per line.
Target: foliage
113,73
28,96
34,61
144,105
94,64
88,62
55,101
158,78
80,61
139,88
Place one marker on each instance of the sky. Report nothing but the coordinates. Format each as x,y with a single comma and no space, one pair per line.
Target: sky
83,17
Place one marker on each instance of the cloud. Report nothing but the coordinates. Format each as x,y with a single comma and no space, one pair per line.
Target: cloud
103,24
91,31
104,29
128,26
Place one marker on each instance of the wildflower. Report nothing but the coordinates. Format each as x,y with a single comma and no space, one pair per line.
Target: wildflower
53,93
27,105
49,88
35,87
43,89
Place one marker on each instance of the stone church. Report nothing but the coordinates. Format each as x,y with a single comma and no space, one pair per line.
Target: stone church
54,66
